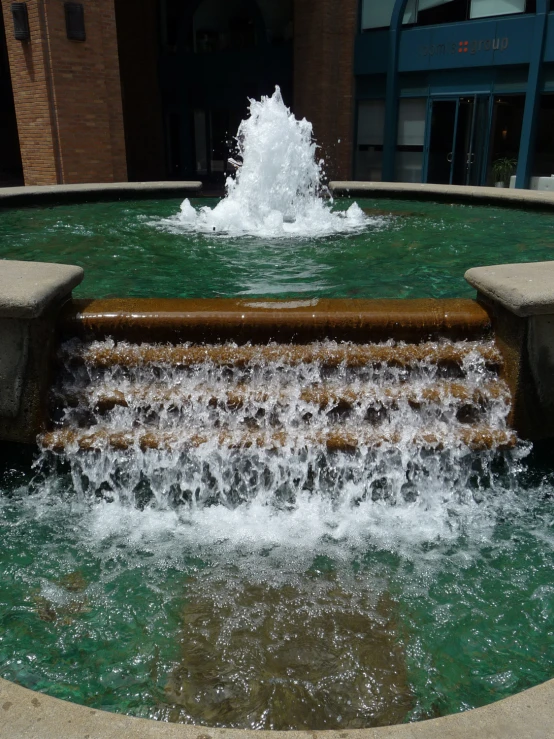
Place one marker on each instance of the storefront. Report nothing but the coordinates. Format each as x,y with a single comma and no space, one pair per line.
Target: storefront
451,97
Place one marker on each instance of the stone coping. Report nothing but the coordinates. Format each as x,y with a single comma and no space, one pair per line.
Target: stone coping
25,714
45,194
523,289
507,197
31,195
28,288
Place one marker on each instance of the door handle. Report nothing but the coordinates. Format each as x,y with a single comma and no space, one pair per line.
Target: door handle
449,157
470,157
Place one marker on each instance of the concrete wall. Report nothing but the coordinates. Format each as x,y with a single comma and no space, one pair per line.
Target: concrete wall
520,300
31,294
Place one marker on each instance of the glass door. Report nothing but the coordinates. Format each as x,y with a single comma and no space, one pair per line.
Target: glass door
444,114
457,141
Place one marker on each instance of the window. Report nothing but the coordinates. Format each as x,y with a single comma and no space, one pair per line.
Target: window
226,25
369,151
378,13
507,121
412,113
486,8
430,12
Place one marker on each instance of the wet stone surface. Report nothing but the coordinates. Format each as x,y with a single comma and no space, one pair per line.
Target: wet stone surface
312,655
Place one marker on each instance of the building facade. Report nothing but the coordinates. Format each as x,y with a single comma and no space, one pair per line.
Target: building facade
454,91
448,91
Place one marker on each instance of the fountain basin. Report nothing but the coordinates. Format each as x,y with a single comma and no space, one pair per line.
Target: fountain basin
517,724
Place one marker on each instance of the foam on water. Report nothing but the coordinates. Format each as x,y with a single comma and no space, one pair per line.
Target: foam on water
277,190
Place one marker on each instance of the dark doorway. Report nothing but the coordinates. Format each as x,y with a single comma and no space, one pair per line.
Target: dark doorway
216,54
507,121
543,163
11,169
458,140
443,126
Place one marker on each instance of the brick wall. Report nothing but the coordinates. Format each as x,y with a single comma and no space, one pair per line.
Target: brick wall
324,35
67,96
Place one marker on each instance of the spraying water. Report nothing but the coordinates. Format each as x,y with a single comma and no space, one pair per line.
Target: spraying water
277,189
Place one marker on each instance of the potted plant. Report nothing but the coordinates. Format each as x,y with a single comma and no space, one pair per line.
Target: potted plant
502,170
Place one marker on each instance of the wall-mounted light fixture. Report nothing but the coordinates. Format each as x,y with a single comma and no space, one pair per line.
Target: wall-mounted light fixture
21,30
75,21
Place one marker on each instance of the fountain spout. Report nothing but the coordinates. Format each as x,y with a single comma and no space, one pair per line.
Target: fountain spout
277,183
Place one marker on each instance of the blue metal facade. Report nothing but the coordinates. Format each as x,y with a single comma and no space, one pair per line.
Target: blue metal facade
504,55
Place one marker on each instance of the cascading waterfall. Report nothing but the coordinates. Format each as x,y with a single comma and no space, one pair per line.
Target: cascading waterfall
386,425
277,190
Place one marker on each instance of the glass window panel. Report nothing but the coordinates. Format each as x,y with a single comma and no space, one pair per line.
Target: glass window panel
426,4
376,13
200,141
543,165
369,150
411,121
506,127
410,14
409,165
431,12
369,166
486,8
371,122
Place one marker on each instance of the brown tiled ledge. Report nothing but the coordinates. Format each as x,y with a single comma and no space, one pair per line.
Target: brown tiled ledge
262,320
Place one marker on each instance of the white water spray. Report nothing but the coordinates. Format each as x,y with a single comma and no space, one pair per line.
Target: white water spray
277,190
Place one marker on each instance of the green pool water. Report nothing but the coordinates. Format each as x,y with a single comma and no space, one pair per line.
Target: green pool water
421,250
211,616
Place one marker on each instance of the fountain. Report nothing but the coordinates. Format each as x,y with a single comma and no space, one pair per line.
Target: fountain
277,189
277,514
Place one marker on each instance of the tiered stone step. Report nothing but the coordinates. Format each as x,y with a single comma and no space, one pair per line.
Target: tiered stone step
343,440
157,395
261,320
103,355
216,387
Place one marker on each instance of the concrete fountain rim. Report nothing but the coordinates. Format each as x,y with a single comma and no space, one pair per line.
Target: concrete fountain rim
25,713
499,196
36,195
112,191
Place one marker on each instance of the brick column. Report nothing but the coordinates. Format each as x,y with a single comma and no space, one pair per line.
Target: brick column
67,96
324,35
